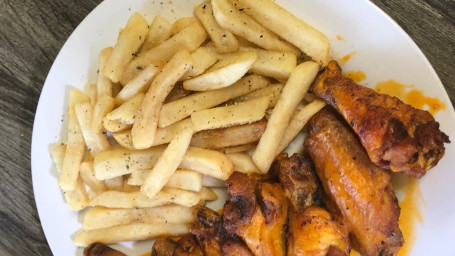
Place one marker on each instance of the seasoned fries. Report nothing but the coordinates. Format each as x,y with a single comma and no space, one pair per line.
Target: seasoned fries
103,83
160,30
95,141
138,84
181,179
208,162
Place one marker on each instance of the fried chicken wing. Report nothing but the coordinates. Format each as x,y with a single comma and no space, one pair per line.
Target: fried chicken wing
163,246
262,230
394,134
187,246
235,248
361,190
99,249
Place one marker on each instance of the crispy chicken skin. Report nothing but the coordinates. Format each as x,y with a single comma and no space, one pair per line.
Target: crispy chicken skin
187,246
163,246
361,190
99,249
394,134
263,230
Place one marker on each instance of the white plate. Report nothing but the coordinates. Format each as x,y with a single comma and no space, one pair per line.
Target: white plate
384,52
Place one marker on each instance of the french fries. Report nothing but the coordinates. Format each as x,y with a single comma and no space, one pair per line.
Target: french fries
88,177
289,27
129,40
165,135
297,85
234,20
203,58
243,163
180,109
146,121
126,112
160,30
224,41
104,105
167,163
124,139
208,181
208,162
241,113
103,83
181,179
181,23
223,73
273,91
138,84
95,141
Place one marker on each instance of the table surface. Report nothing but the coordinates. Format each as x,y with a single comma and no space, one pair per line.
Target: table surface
31,35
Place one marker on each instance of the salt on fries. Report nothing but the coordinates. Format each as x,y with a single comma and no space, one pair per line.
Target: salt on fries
155,148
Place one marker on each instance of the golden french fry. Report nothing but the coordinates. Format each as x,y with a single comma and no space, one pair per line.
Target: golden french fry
129,40
167,163
223,73
92,94
243,163
208,162
130,188
160,31
138,84
238,149
207,194
229,137
241,113
203,58
146,121
165,135
297,85
180,109
114,184
124,139
271,63
130,232
103,105
126,112
178,92
114,125
103,83
181,179
117,162
272,16
208,181
190,38
181,23
117,199
100,217
88,177
273,91
225,41
75,145
236,21
297,122
76,199
95,141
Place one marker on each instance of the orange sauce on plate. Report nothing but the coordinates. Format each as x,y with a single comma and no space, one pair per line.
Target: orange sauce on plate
339,37
413,97
356,76
346,58
146,254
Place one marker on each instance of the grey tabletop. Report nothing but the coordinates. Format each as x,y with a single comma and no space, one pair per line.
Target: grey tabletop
31,35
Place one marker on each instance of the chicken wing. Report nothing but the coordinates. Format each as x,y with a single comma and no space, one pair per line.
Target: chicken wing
187,246
361,190
262,230
163,246
394,134
99,249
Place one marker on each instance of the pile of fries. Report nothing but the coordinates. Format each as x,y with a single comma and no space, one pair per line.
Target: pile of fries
176,108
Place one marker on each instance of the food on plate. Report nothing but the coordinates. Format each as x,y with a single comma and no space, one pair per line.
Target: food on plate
163,246
361,190
396,135
99,249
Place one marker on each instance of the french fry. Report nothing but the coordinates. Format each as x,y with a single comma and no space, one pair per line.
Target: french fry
167,163
297,122
181,23
103,83
92,94
207,194
224,41
104,105
95,141
76,199
178,92
190,38
88,177
229,137
271,63
130,232
160,31
114,184
146,121
272,16
117,199
126,112
234,20
75,145
165,135
124,139
208,181
223,73
273,91
114,125
100,217
208,162
129,40
203,58
180,109
238,149
241,113
130,188
138,84
297,85
181,179
243,163
117,162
